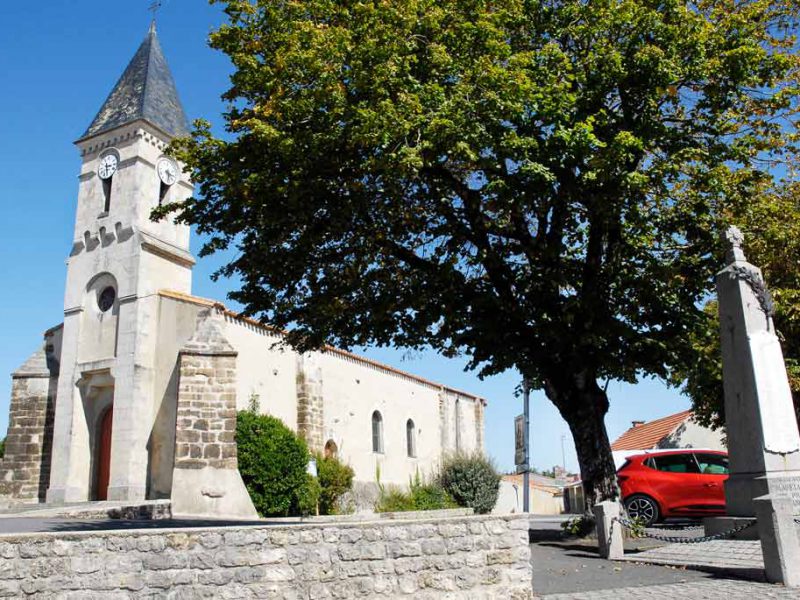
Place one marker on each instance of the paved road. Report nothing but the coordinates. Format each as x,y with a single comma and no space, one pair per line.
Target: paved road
722,589
565,566
571,570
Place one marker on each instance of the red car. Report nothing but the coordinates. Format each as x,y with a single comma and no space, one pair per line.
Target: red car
674,483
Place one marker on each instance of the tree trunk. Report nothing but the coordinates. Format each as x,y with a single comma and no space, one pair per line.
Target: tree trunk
584,405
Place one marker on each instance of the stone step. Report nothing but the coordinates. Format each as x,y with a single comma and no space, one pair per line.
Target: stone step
144,510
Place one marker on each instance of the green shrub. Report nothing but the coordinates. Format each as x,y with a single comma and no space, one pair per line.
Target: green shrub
2,447
273,463
307,498
420,496
335,479
472,481
580,526
431,496
393,499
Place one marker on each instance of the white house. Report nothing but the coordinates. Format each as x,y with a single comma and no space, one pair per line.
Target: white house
674,431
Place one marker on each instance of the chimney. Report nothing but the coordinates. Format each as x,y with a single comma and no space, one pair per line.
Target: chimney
637,423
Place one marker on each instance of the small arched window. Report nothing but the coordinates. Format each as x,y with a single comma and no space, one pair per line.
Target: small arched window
331,450
377,432
411,439
107,195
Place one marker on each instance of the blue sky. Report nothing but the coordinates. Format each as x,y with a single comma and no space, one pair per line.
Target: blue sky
59,60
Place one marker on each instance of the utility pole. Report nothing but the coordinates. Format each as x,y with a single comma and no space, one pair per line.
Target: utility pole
563,459
526,476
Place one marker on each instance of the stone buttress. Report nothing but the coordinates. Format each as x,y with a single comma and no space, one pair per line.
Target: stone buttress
206,479
310,403
25,470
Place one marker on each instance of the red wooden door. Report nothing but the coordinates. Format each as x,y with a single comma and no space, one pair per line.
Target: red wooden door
104,455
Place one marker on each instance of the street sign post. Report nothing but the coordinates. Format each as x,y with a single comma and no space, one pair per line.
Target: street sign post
522,458
519,442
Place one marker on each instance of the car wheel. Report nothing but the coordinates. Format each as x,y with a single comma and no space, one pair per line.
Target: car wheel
642,507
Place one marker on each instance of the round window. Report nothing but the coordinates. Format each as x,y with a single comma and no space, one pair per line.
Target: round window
106,299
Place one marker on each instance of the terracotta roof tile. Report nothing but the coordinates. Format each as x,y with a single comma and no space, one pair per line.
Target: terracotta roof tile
647,435
515,479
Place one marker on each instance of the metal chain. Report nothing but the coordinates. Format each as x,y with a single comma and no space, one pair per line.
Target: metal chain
685,528
631,526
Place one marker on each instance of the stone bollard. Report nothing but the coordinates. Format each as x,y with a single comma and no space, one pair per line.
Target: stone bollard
609,531
779,541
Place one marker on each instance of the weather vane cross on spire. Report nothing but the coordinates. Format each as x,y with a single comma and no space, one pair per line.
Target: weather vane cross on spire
154,6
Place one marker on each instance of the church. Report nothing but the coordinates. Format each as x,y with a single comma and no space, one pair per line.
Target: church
134,396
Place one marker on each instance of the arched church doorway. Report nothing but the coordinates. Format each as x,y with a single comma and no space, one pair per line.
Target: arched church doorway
104,453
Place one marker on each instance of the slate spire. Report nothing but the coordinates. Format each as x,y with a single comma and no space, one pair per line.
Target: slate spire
146,91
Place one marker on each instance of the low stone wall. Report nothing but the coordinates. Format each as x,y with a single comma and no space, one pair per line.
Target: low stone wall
460,558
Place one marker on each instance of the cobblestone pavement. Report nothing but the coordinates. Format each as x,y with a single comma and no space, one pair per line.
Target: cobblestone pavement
710,589
741,557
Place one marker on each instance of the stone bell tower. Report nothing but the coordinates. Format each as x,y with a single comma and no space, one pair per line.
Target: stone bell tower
119,260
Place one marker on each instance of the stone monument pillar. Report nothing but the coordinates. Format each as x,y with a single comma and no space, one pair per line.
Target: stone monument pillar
763,439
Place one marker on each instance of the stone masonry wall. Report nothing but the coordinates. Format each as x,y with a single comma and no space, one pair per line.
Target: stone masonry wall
205,479
479,424
206,421
310,404
444,438
464,558
25,469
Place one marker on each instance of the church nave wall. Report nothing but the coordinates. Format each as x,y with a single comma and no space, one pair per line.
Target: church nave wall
266,373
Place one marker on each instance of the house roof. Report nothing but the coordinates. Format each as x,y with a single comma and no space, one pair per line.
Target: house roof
647,435
331,349
539,482
146,91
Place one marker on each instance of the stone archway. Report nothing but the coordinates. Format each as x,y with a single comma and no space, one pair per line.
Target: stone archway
97,399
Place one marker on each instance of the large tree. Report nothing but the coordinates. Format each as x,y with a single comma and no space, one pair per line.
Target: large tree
535,184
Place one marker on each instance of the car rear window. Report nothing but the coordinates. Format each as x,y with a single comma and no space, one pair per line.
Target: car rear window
676,463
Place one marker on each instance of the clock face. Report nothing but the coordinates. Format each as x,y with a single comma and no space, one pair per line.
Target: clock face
167,171
108,166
